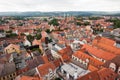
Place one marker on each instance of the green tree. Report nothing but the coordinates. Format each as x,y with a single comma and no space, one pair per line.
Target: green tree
86,23
48,30
38,36
54,22
9,31
11,35
45,19
30,38
78,23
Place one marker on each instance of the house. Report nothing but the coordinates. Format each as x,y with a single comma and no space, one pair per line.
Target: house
72,71
12,48
97,53
114,65
7,71
36,61
26,42
10,76
47,71
66,53
102,74
106,44
28,78
83,60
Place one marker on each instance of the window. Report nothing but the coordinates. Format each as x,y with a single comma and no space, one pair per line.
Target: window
77,59
80,60
112,66
119,70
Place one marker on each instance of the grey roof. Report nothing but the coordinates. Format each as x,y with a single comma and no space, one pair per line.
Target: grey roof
72,68
55,49
7,69
61,45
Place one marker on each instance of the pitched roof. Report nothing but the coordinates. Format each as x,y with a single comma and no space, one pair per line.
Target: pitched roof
29,78
36,61
44,69
104,40
90,76
106,74
57,62
7,68
66,53
92,68
115,60
102,74
99,53
84,56
107,47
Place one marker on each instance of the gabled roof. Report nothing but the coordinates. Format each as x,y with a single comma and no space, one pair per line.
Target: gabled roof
44,69
115,60
29,78
92,60
104,40
90,76
7,69
99,53
102,74
106,74
107,46
66,53
92,68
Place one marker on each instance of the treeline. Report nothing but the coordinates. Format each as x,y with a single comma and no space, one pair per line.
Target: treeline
116,22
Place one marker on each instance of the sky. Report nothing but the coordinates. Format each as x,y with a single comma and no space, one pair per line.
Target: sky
59,5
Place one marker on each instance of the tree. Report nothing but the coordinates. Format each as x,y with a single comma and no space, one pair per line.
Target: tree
10,31
11,35
86,23
115,21
48,30
78,23
30,38
45,20
38,36
54,22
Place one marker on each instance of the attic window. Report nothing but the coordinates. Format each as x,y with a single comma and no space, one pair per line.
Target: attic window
119,70
112,66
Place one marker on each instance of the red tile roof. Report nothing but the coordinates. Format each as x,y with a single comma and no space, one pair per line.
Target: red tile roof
90,76
45,59
99,53
29,78
84,56
107,74
66,53
105,40
103,74
44,69
106,46
92,68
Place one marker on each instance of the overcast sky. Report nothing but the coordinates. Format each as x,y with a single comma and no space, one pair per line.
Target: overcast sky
59,5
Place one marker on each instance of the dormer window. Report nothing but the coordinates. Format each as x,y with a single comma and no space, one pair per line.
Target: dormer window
112,66
77,59
80,60
119,70
72,57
